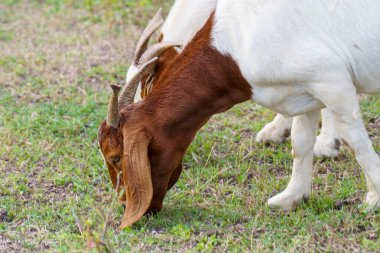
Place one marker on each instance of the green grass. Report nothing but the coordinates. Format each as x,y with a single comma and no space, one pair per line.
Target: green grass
57,59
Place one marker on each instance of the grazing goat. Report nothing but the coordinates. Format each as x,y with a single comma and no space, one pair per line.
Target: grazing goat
294,57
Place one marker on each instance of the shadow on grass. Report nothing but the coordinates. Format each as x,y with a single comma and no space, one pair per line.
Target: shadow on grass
192,217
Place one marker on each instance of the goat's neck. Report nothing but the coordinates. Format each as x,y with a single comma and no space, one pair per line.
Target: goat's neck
200,83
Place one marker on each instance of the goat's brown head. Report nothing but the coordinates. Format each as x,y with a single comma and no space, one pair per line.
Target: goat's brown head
125,138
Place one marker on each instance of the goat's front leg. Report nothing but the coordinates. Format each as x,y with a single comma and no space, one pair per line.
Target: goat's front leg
276,131
304,132
328,141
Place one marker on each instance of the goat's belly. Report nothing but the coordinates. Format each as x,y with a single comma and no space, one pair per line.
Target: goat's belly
368,83
288,101
371,88
367,72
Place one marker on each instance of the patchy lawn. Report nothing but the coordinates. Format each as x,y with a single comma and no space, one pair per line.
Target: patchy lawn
57,59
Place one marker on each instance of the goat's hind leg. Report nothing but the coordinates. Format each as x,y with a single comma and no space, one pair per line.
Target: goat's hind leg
304,132
328,141
346,110
276,131
352,131
327,144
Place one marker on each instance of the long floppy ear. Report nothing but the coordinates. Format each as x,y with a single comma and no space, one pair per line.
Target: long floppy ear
136,175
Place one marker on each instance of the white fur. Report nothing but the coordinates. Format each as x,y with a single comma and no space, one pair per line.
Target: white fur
328,142
300,56
276,130
185,19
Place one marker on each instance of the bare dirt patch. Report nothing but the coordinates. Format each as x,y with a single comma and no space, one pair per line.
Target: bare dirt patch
9,246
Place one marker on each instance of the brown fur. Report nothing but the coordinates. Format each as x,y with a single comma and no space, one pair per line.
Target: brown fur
163,63
199,83
111,145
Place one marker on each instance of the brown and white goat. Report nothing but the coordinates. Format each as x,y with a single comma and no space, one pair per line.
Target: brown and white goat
249,50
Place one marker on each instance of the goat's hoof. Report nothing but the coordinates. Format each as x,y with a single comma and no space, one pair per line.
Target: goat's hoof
326,146
372,200
272,133
287,200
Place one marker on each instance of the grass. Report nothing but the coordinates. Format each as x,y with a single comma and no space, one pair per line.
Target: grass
57,59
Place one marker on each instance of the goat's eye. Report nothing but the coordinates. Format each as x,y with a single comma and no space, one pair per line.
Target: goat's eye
116,159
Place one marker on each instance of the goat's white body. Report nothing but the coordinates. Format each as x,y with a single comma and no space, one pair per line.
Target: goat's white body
185,19
300,56
283,47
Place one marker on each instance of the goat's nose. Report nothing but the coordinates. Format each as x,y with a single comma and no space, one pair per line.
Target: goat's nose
124,207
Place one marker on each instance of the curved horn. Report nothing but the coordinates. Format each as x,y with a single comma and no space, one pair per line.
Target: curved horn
142,44
137,176
128,94
156,50
113,110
